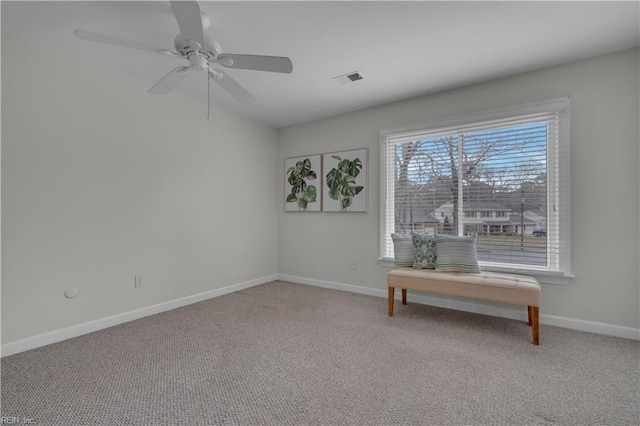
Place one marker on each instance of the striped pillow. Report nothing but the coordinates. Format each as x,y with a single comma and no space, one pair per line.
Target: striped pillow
402,249
456,254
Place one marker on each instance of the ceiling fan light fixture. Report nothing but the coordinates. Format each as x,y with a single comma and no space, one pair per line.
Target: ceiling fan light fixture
198,62
227,62
215,74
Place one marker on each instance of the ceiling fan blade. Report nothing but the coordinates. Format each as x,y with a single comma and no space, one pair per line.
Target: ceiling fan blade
257,62
232,87
189,20
170,80
132,44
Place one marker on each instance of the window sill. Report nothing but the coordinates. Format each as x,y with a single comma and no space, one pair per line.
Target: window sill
543,277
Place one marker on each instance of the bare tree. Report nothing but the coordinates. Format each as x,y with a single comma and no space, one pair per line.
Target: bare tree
443,154
442,162
493,176
404,190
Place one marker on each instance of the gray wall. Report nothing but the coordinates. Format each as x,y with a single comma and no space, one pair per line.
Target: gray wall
604,95
102,181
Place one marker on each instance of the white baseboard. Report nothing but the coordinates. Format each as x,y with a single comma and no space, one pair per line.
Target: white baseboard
516,314
460,305
99,324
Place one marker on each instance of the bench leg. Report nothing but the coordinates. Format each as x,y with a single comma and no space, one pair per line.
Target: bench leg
404,296
529,314
535,324
391,295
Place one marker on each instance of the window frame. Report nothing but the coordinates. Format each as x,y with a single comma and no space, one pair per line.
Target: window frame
558,194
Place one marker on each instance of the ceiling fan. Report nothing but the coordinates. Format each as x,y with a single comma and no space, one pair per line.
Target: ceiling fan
203,54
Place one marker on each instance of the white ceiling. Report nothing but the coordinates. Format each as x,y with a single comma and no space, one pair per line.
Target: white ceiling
402,49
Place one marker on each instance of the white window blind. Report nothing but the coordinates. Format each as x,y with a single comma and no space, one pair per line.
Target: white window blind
502,176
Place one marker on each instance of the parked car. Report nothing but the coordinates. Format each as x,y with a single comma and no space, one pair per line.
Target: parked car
539,233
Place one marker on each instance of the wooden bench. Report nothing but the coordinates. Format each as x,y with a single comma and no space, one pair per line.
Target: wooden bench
490,286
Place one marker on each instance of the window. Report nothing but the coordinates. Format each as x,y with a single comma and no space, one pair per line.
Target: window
513,161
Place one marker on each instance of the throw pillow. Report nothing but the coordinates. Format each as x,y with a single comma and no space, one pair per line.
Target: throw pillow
424,248
402,249
456,254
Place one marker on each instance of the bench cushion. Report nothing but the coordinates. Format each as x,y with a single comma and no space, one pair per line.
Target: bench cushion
491,286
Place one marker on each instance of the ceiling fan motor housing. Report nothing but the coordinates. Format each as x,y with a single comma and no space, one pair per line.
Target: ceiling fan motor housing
185,47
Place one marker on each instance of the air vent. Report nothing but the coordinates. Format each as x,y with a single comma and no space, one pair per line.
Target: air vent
348,78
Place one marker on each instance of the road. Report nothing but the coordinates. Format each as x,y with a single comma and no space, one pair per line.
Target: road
491,253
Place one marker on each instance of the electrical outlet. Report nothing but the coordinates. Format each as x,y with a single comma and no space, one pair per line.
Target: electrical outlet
354,264
138,281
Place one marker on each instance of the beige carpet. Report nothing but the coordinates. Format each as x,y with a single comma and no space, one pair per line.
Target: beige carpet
288,354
